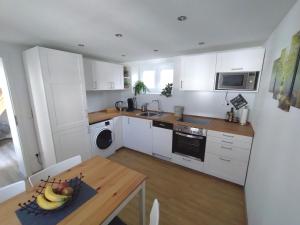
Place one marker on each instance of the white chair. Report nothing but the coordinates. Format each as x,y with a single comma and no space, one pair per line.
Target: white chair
11,190
154,214
54,169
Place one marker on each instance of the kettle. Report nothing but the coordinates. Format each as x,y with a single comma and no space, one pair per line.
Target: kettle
119,105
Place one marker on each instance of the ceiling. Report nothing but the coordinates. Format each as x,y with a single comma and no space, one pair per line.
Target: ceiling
145,24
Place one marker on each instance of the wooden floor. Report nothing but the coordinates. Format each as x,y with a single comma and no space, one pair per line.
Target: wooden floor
186,197
9,170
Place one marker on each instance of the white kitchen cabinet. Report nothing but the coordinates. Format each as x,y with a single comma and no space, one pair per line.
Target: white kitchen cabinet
58,98
227,156
187,162
137,134
103,75
198,72
118,132
250,59
162,139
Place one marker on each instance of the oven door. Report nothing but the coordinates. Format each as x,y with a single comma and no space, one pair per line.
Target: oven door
189,145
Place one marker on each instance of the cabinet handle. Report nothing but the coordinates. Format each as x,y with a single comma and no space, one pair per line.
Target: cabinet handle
227,142
226,160
230,136
181,83
128,120
150,124
226,147
188,160
235,69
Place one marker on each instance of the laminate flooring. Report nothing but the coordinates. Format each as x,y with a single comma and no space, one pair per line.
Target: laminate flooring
9,170
186,197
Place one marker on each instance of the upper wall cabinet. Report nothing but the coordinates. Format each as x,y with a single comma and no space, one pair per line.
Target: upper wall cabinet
198,72
103,75
240,60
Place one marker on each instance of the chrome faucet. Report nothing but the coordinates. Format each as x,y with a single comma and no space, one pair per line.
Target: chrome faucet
158,105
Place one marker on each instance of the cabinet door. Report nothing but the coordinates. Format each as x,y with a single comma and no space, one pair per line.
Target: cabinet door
198,72
118,134
103,75
72,142
90,82
108,76
240,60
137,134
66,99
118,77
162,141
128,137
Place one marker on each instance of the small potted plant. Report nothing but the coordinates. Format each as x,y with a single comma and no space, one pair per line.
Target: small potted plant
140,88
167,91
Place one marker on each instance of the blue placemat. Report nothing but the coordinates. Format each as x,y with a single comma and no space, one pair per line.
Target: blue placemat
86,192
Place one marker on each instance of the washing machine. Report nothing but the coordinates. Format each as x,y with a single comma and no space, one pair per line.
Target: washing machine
102,138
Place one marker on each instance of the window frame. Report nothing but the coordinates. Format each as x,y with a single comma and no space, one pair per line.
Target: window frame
157,68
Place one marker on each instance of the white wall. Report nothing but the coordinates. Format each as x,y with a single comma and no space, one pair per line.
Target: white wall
100,100
211,104
273,183
13,65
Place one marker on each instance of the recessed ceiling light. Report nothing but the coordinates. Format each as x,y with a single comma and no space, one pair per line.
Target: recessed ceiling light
201,43
119,35
155,50
123,55
181,18
80,45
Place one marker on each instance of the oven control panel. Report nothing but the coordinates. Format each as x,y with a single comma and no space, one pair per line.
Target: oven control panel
190,130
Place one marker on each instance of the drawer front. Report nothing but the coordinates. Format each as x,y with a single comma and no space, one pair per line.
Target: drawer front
225,168
230,151
229,136
187,162
232,143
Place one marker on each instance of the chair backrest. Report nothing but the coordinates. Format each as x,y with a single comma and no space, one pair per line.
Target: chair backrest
11,190
154,214
54,169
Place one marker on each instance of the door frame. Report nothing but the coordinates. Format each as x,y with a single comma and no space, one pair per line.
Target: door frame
12,119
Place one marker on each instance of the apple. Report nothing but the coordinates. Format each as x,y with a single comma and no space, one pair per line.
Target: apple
67,191
59,188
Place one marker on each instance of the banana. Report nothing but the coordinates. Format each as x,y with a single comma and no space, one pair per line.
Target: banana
45,204
51,196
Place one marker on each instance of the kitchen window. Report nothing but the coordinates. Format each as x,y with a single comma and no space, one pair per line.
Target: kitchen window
157,76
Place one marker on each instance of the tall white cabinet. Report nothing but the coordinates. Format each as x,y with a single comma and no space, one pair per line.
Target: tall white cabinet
58,97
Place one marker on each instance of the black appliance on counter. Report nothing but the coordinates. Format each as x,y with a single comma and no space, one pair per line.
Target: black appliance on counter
189,141
131,103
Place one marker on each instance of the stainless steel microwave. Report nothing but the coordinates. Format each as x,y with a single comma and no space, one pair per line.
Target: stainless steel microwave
246,81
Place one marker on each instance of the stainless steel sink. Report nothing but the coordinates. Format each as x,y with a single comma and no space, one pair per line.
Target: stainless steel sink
148,114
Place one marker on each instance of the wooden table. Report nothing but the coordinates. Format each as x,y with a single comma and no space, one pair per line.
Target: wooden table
116,185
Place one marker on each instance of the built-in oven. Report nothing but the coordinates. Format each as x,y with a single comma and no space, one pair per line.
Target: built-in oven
189,141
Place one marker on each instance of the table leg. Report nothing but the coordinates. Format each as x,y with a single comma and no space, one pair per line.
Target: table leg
142,204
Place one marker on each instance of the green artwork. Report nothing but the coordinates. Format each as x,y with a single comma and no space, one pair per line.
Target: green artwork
285,80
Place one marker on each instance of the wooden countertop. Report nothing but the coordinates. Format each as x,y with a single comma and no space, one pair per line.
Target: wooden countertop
113,182
214,124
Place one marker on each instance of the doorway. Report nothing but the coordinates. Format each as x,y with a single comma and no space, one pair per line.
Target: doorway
12,167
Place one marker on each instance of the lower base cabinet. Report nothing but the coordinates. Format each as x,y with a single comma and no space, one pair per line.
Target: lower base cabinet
226,155
188,162
137,134
225,168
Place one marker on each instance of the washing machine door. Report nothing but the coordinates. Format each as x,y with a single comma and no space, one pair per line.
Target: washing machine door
104,139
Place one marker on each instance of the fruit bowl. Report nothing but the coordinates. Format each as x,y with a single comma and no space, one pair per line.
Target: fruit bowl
52,195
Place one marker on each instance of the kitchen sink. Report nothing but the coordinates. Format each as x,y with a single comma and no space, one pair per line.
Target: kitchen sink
148,114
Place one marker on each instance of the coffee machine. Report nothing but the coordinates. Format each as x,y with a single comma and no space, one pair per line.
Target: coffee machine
131,104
